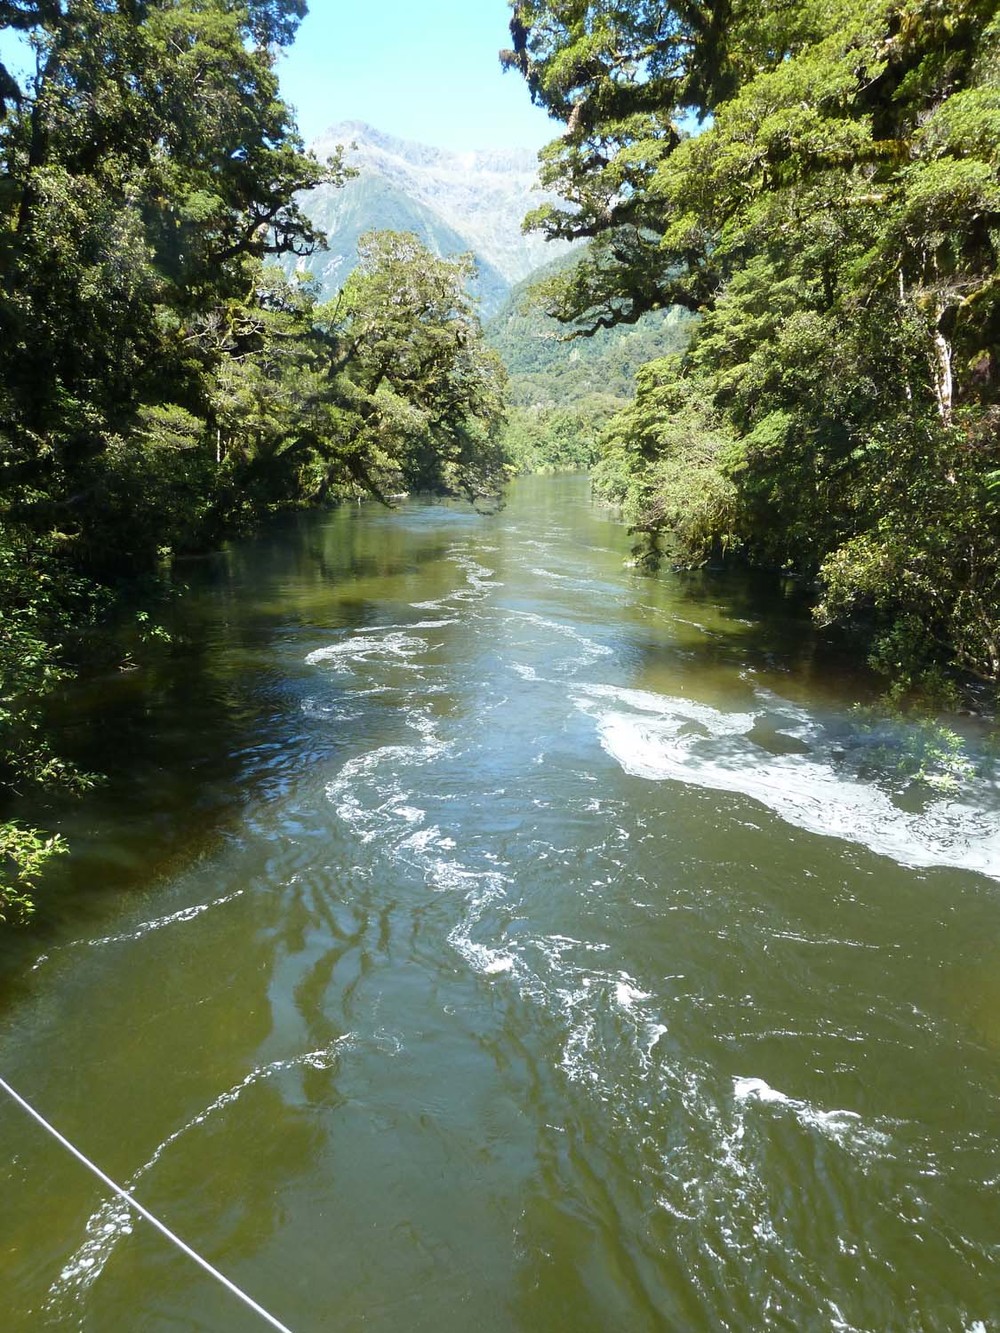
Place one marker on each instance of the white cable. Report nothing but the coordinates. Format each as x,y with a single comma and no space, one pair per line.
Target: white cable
144,1212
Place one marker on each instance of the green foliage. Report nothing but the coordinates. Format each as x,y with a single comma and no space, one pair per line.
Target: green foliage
41,604
557,439
924,753
388,388
161,386
564,389
663,460
148,169
551,367
836,224
24,854
421,390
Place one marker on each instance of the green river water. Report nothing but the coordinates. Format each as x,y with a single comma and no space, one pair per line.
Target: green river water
475,935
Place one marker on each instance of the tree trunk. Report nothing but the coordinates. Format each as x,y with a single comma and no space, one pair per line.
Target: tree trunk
941,367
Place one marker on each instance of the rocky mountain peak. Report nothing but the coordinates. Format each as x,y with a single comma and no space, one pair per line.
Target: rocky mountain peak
366,145
455,201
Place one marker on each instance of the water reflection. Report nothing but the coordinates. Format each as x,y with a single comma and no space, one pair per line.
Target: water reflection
511,942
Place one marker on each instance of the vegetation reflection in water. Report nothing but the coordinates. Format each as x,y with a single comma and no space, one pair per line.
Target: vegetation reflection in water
476,969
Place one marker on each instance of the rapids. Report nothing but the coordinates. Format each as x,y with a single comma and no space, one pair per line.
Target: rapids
475,934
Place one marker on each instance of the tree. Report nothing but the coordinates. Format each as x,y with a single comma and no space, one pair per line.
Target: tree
149,167
836,224
145,169
422,395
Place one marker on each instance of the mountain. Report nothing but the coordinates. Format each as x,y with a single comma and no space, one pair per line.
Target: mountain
455,202
564,393
546,370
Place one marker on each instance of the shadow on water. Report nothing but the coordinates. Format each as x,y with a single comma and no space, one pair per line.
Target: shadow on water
740,630
563,972
211,721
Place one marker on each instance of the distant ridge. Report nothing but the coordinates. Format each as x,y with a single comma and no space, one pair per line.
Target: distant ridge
454,201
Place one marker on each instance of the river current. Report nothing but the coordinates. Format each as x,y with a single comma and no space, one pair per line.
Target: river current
476,935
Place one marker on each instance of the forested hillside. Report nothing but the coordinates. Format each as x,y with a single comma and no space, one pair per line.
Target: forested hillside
835,224
160,386
565,389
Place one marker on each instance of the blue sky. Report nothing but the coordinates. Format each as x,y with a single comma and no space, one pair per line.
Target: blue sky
421,69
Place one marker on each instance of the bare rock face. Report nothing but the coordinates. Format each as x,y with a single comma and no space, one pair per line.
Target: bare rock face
455,202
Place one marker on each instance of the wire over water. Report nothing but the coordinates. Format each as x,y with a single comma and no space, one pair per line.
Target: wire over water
143,1212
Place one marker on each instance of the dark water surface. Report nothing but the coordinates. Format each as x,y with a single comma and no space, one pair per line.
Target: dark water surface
478,936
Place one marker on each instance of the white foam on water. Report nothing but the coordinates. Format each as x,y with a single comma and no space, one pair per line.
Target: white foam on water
827,942
373,794
525,672
554,948
746,1088
665,706
597,1042
591,649
417,624
655,740
484,888
579,1058
329,712
364,648
487,961
838,1321
181,917
114,1220
409,813
480,580
424,840
173,919
607,1017
422,722
369,794
589,586
372,821
479,576
653,1034
627,993
846,1128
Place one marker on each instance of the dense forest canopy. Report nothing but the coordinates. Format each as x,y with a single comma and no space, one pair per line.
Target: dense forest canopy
835,223
564,391
161,386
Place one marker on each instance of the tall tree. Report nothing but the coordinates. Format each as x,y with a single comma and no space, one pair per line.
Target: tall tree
150,164
420,384
390,387
145,168
836,224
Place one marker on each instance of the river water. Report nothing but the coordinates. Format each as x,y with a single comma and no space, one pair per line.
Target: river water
478,935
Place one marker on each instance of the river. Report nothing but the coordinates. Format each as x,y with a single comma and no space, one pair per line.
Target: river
476,935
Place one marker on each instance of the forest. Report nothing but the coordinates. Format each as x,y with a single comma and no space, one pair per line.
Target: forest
162,385
819,184
564,390
782,341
